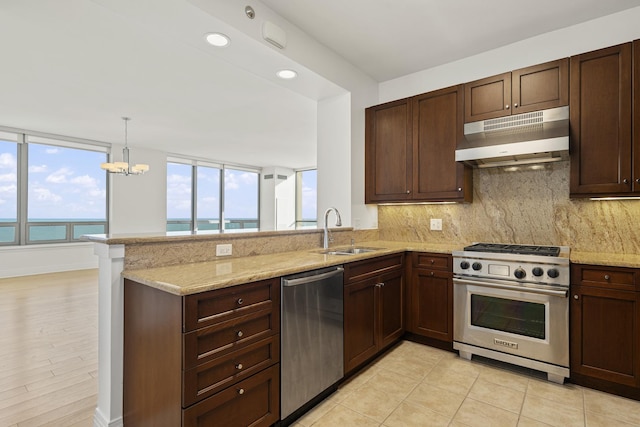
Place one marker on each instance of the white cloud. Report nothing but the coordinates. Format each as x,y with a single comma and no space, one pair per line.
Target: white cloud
59,176
178,179
38,168
84,180
8,177
52,150
44,194
7,161
233,181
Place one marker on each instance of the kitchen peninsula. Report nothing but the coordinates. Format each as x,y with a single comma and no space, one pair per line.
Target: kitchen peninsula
183,265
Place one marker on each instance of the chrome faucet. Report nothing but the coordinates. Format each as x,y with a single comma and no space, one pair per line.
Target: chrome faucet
326,229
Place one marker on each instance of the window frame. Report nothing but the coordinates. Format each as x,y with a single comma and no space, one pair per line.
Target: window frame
22,226
299,219
222,167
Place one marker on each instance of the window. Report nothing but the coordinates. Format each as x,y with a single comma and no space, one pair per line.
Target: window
51,190
307,199
179,212
208,198
241,195
8,189
205,191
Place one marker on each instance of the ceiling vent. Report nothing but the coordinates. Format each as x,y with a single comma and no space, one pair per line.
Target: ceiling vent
274,34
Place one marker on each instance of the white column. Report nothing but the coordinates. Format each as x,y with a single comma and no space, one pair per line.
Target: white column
110,335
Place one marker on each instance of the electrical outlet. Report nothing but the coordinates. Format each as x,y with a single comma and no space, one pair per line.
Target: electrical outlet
436,224
223,250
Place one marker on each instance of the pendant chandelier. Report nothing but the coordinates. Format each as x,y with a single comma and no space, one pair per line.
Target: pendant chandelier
123,167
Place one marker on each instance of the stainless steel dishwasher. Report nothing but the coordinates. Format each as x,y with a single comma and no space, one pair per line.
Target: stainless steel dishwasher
311,360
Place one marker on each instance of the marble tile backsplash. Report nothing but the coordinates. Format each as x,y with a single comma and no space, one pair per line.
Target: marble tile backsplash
526,206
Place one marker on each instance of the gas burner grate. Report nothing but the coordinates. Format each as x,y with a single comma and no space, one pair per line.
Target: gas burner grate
553,251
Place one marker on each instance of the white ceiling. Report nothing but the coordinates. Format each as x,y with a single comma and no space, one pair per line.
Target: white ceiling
74,67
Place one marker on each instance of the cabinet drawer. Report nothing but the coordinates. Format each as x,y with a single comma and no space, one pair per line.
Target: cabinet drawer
253,402
360,270
209,378
208,308
432,261
208,343
604,277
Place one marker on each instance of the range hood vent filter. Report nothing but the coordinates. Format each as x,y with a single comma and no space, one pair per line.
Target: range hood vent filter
536,137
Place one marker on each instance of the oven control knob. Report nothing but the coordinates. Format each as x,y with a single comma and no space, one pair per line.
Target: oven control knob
476,266
464,265
553,273
520,273
537,271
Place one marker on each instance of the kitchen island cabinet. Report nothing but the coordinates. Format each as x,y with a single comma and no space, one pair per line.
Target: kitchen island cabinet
534,88
431,288
373,308
210,358
605,328
605,145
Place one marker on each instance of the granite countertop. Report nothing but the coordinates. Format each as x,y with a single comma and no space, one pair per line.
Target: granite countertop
186,279
606,259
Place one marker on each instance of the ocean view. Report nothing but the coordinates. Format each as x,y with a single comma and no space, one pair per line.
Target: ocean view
51,229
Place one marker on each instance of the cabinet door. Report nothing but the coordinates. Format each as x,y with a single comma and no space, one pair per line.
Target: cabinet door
252,402
600,116
388,152
359,323
437,128
391,308
487,98
432,304
604,334
540,87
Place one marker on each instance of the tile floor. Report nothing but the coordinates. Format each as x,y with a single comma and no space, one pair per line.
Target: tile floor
415,385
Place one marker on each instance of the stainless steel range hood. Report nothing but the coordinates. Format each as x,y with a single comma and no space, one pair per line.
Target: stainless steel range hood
536,137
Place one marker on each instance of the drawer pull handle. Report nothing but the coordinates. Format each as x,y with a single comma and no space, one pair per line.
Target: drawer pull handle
576,297
432,273
239,366
433,261
239,334
240,301
240,391
607,277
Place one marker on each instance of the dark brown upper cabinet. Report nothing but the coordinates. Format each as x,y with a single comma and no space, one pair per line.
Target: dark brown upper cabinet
601,116
534,88
437,128
388,152
410,149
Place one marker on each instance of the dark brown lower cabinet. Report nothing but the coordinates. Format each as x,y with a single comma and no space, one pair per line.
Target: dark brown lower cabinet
373,308
207,359
605,329
252,402
431,297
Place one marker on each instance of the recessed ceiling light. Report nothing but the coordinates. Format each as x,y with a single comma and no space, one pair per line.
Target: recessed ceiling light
217,39
287,74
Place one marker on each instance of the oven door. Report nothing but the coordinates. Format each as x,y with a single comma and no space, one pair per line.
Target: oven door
529,321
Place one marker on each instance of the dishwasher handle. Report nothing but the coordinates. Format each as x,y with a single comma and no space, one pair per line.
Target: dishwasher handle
312,278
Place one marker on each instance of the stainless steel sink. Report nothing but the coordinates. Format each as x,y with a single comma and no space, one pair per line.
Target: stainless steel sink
353,250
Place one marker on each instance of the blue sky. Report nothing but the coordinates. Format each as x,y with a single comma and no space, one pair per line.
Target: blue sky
241,192
63,182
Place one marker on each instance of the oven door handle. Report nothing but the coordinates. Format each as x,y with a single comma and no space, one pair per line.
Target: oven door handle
497,285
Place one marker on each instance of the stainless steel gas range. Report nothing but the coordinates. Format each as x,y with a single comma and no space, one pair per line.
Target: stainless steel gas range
511,304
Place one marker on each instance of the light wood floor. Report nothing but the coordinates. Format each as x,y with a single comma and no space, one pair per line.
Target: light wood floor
49,349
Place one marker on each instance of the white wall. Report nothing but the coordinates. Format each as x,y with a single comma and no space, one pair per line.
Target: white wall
334,158
277,199
603,32
139,202
38,259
